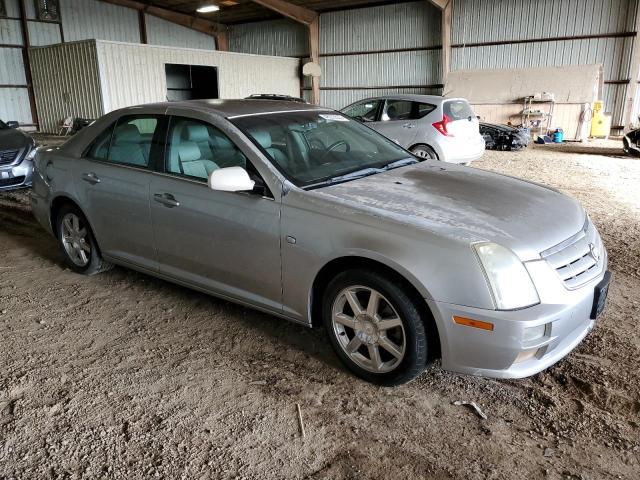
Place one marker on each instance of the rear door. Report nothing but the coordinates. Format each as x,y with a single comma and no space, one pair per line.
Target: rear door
112,182
397,122
463,121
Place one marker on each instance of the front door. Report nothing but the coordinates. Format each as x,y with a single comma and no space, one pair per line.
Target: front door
223,242
397,122
113,188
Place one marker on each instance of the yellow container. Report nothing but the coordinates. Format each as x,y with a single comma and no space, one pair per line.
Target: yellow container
601,123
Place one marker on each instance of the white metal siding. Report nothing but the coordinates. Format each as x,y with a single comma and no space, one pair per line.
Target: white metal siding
65,82
91,19
41,34
14,105
11,67
10,32
162,32
135,74
12,8
284,38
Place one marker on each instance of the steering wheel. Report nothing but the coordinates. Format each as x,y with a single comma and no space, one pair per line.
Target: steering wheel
334,146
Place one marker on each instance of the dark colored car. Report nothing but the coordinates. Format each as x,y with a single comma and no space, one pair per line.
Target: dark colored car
504,137
17,150
631,143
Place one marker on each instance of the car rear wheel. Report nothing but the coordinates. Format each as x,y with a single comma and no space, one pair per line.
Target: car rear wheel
424,151
77,243
375,328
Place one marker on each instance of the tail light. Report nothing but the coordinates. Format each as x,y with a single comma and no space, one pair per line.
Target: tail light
441,126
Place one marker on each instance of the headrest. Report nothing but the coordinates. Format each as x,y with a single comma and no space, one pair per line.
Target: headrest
220,141
127,133
262,137
189,151
195,133
392,112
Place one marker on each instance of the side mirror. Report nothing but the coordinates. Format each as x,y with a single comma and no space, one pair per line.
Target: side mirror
13,124
231,179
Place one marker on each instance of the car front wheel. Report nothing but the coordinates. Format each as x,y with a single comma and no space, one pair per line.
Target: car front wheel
375,328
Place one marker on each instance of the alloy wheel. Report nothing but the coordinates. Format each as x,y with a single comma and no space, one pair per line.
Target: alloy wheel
423,153
368,329
75,239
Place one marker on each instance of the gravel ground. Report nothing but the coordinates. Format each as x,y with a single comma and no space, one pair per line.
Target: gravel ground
124,376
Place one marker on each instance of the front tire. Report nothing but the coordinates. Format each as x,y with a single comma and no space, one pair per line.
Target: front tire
375,328
77,242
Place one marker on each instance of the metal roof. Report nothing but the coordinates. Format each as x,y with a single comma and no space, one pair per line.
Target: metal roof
242,11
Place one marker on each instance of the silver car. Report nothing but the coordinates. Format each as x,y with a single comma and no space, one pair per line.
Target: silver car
17,150
430,126
306,214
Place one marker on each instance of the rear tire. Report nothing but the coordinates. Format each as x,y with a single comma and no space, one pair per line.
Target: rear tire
77,243
375,327
424,152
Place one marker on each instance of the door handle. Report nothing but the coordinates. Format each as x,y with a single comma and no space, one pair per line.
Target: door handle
408,125
166,199
91,178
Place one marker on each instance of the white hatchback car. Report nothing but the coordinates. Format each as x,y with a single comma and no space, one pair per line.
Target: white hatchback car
429,126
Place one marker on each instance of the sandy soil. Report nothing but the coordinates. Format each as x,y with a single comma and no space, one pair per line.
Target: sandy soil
125,376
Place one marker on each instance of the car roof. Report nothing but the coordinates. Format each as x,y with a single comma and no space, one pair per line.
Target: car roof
438,99
229,108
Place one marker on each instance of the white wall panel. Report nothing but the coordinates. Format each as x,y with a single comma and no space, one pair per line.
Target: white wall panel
14,105
161,32
239,75
13,10
91,19
41,34
10,32
11,67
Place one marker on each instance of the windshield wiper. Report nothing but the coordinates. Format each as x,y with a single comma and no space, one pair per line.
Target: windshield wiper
399,163
365,172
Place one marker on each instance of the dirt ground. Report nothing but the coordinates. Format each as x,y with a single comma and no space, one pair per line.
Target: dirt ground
124,376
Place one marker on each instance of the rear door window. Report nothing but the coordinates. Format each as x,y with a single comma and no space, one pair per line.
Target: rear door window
397,110
424,109
99,150
458,110
132,140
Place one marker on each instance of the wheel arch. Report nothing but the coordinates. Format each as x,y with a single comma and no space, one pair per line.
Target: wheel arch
423,144
56,204
343,263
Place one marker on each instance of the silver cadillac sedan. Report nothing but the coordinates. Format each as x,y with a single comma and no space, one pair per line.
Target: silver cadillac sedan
304,213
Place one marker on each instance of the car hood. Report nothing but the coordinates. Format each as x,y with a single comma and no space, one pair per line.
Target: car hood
13,139
467,204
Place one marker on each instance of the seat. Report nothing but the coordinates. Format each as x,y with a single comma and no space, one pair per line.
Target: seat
264,140
199,134
126,146
192,163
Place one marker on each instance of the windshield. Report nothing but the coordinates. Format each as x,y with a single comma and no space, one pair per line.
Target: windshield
313,148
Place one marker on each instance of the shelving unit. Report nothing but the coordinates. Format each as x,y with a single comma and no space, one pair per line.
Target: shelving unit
541,109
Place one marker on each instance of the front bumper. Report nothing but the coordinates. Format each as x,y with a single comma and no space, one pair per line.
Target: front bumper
504,352
13,177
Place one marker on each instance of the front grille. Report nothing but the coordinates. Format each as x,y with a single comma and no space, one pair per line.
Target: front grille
8,156
10,182
579,259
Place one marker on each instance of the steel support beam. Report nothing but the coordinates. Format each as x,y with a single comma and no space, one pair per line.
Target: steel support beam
25,60
634,74
447,17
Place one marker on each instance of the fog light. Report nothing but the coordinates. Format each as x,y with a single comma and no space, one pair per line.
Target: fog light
533,333
526,355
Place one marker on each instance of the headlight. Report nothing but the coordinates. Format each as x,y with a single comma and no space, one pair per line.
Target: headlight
509,281
32,154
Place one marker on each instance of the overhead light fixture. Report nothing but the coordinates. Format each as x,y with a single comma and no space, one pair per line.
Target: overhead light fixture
208,8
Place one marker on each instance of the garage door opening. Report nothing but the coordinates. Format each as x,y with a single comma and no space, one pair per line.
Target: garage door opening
191,82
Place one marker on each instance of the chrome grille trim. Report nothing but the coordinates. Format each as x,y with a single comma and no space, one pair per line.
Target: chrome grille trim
7,157
573,260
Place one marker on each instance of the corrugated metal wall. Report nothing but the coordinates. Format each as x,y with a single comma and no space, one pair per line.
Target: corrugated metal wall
379,50
239,75
14,102
508,21
161,32
284,38
90,19
66,82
